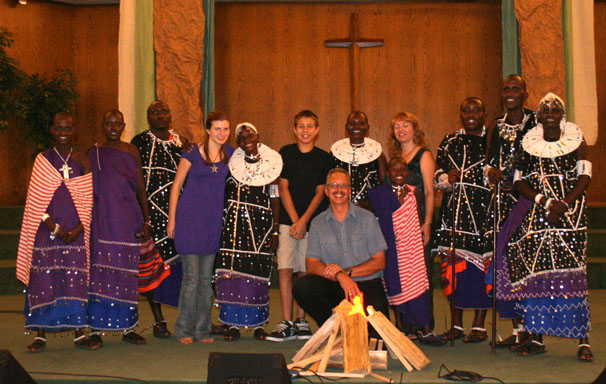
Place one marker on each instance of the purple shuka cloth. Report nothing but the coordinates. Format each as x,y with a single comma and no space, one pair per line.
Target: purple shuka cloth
505,300
115,251
57,292
385,203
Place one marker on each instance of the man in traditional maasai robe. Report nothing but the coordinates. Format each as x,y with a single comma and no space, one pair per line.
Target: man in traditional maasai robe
461,160
119,216
160,151
53,255
361,157
505,137
345,255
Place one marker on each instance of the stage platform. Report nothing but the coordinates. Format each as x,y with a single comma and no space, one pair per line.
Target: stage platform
166,361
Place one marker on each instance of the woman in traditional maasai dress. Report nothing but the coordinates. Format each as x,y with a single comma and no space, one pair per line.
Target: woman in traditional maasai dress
408,141
53,254
361,156
250,235
461,160
505,138
160,150
405,277
547,254
194,221
120,216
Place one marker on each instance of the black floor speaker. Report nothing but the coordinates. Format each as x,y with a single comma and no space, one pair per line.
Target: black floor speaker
11,372
247,368
600,379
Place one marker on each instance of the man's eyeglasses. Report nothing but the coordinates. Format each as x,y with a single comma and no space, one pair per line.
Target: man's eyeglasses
338,185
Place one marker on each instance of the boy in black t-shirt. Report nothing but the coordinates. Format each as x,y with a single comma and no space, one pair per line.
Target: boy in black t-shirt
301,195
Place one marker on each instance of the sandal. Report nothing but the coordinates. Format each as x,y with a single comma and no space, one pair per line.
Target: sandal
260,333
459,332
133,338
477,335
521,342
535,347
186,340
84,342
232,334
160,330
38,345
95,337
507,343
430,339
584,353
219,329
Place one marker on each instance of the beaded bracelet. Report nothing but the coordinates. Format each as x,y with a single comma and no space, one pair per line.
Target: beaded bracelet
55,231
538,197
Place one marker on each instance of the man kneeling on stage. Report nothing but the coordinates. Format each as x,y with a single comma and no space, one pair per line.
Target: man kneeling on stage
345,255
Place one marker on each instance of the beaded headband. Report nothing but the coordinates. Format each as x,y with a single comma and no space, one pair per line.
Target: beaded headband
551,98
240,126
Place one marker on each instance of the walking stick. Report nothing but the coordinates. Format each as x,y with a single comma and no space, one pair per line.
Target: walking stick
451,253
495,229
452,250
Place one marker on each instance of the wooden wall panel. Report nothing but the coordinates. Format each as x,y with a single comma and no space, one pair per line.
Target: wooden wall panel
596,153
51,36
95,40
271,62
42,33
43,43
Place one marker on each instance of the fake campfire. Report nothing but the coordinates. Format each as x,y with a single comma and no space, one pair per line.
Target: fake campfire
344,337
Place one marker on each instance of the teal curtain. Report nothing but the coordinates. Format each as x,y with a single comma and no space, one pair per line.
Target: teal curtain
511,49
145,62
568,58
208,78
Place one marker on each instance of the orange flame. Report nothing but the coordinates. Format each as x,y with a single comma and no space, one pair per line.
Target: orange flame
358,305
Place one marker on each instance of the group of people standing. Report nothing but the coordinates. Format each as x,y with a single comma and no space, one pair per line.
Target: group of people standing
525,179
182,222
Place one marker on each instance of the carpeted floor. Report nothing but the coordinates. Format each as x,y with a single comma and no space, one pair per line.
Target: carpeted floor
166,361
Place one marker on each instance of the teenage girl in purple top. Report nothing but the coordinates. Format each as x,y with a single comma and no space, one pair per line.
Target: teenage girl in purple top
194,221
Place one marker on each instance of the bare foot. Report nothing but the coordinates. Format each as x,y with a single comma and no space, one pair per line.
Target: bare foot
186,340
207,340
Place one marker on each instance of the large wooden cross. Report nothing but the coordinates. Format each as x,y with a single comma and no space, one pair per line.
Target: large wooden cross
354,42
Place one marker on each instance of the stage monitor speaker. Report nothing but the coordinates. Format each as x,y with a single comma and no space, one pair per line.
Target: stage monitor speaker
11,372
247,368
600,379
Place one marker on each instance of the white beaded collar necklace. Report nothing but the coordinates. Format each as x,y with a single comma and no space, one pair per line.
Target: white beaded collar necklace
262,172
357,154
570,139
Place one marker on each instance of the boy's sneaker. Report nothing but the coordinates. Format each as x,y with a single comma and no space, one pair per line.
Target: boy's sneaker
283,331
302,329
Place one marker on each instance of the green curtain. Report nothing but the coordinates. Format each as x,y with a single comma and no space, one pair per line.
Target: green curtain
145,62
511,49
568,58
208,77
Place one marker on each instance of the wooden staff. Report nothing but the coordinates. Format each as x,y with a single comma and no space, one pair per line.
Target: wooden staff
455,219
495,228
